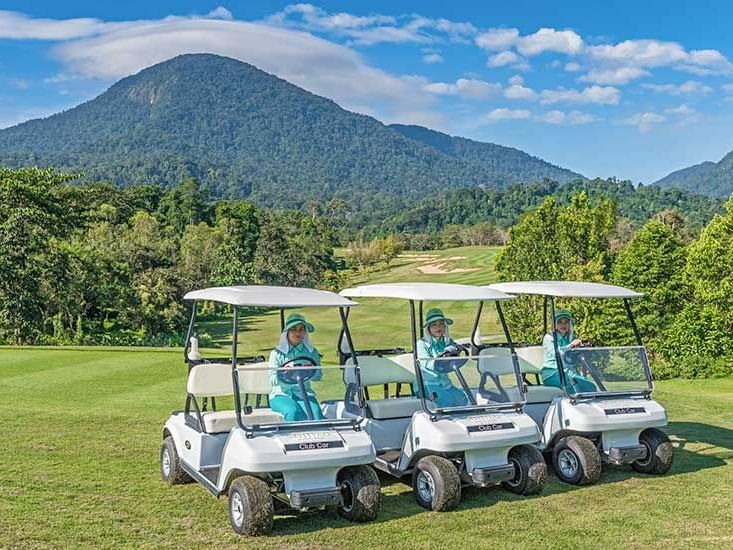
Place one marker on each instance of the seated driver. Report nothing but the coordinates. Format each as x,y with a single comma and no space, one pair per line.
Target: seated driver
285,398
435,340
574,380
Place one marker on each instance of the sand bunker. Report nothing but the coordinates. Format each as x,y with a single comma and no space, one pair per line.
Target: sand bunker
437,267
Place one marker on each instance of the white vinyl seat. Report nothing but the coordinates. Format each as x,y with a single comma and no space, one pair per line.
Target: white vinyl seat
224,421
377,371
215,380
542,394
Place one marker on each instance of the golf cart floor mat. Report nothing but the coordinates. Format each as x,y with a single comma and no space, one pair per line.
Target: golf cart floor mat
211,473
390,456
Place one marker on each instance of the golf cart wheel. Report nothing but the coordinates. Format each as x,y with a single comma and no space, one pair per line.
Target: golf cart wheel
170,464
250,506
576,460
530,471
658,453
360,494
436,484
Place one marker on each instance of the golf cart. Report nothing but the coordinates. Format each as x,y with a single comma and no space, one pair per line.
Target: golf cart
486,441
602,411
248,451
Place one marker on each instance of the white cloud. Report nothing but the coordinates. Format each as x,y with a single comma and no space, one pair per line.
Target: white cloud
15,25
572,118
691,87
572,67
220,12
728,87
550,40
683,110
605,95
313,63
645,122
517,91
508,114
642,53
497,39
517,79
621,75
373,29
432,58
503,59
467,88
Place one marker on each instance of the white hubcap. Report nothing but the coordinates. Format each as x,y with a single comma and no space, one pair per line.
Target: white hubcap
568,463
237,509
166,463
425,486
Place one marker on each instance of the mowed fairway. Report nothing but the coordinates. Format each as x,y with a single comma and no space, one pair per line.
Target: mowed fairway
81,432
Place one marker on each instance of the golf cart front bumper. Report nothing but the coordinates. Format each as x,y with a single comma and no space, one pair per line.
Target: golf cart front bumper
626,455
315,498
493,474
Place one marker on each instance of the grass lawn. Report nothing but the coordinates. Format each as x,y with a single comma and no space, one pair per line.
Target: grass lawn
81,432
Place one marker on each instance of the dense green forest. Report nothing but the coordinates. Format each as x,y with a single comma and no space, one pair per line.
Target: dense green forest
242,133
712,178
100,264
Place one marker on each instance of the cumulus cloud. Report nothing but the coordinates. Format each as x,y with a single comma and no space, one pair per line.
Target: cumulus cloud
508,114
572,67
516,79
517,91
550,40
373,29
562,118
497,39
691,87
621,75
464,87
645,122
432,58
15,25
605,95
503,59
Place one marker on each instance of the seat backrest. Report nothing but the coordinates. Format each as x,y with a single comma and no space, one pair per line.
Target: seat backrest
375,370
215,379
531,358
497,361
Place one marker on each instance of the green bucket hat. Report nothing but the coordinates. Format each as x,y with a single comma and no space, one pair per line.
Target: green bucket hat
295,319
564,314
436,314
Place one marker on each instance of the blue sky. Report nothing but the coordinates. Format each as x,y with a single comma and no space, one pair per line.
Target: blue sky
616,88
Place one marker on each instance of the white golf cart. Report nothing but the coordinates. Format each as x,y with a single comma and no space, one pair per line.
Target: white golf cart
487,441
249,451
608,415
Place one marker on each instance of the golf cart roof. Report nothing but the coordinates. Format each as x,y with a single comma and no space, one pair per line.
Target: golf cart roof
566,289
270,296
426,291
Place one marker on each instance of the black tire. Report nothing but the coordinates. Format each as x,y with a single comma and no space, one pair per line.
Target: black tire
436,484
170,464
360,493
530,471
659,453
250,506
576,460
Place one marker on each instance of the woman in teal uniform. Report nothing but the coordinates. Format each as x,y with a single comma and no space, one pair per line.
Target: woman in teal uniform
433,343
574,381
287,399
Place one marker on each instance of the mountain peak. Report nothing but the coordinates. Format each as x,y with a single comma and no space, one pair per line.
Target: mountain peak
244,132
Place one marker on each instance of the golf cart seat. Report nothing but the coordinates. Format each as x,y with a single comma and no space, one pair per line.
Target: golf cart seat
378,371
531,358
215,380
497,363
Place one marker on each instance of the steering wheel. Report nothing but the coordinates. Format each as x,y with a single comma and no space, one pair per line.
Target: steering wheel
454,351
295,376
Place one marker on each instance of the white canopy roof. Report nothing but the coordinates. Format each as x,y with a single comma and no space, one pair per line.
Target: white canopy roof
426,291
566,289
270,296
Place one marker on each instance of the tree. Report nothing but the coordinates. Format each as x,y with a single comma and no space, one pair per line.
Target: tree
32,217
185,205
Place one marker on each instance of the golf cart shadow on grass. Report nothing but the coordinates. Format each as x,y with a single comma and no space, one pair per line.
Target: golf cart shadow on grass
696,447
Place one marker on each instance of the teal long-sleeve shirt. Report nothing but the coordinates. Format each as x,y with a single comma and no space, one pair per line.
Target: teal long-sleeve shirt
278,359
433,349
549,364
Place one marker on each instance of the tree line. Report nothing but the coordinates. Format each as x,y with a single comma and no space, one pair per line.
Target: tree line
686,315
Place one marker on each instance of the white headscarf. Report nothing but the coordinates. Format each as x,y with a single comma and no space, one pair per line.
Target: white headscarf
284,346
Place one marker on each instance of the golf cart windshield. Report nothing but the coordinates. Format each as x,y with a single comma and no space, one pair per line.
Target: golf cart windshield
490,379
295,394
607,370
